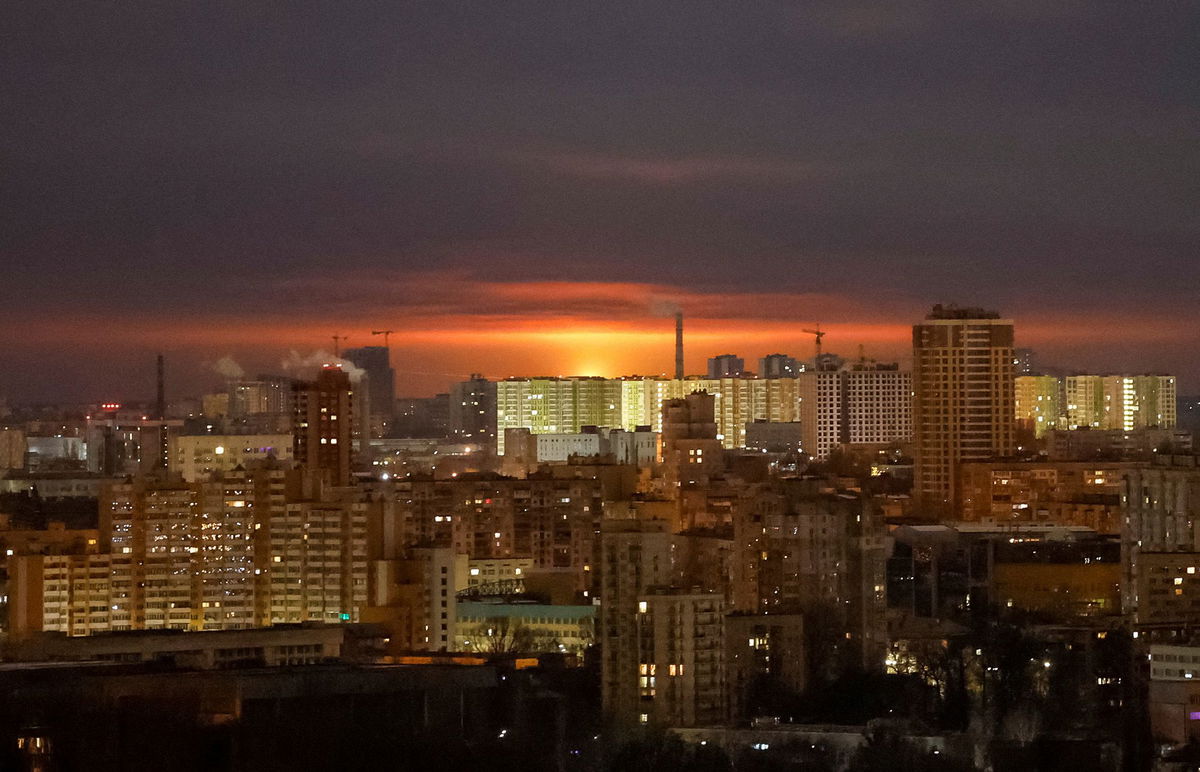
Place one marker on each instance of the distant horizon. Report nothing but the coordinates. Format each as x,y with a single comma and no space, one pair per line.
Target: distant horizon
430,356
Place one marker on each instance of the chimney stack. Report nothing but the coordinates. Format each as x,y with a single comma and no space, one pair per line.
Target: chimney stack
160,410
679,345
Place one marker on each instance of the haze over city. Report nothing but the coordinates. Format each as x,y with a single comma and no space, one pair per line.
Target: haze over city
511,191
600,387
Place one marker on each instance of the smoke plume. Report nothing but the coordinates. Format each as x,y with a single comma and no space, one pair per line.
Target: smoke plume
228,369
307,366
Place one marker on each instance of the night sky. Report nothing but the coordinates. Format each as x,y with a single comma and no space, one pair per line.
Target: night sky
522,188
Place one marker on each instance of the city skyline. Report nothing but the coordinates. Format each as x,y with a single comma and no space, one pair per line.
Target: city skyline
429,359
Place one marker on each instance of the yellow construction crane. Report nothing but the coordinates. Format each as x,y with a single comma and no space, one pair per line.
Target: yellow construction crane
385,334
337,352
819,334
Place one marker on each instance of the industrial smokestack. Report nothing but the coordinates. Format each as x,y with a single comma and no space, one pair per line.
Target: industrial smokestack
160,409
161,404
678,345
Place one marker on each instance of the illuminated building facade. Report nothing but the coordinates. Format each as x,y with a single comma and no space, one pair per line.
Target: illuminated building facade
1124,402
197,456
1039,403
1068,493
556,405
242,550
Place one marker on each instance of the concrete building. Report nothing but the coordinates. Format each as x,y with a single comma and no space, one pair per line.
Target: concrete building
653,579
241,550
779,366
197,456
963,404
123,442
775,437
1108,444
473,411
1039,404
268,395
323,427
1174,696
498,628
691,451
761,646
492,571
681,657
800,548
1084,493
288,645
376,362
12,449
413,596
1124,402
556,405
726,366
639,447
1161,546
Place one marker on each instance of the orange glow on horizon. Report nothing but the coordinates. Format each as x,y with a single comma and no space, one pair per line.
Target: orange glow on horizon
578,328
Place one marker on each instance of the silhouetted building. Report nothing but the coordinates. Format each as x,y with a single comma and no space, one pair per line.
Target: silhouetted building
323,424
778,366
726,366
472,409
381,379
963,402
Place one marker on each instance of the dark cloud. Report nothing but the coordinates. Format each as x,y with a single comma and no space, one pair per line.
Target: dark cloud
185,158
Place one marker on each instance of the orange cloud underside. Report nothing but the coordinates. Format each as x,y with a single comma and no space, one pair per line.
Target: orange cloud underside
449,326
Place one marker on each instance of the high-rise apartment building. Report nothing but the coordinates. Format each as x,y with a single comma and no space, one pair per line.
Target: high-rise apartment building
800,550
726,366
1039,403
963,403
556,405
381,378
778,366
267,395
241,550
1124,402
1160,546
473,411
324,424
658,612
862,404
681,657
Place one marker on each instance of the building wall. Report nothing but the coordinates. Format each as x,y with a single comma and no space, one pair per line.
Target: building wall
963,407
1084,493
681,658
195,457
1161,543
227,554
1039,403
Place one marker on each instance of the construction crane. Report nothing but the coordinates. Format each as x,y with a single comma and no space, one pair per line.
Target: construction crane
385,334
819,334
337,352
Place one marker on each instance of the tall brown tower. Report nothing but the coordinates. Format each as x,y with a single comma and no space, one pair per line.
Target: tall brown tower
963,403
323,424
